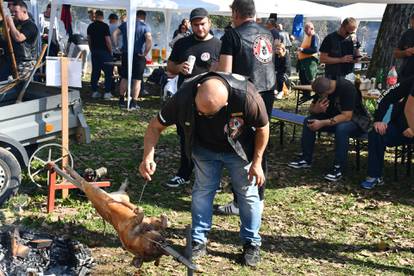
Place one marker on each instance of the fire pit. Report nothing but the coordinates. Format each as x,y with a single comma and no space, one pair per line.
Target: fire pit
28,253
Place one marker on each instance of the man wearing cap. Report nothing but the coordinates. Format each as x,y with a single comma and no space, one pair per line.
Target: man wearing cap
247,49
205,48
337,109
225,126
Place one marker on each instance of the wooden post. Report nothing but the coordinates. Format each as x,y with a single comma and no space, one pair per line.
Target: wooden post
9,43
65,116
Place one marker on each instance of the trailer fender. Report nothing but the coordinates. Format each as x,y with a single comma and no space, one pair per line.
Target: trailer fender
16,148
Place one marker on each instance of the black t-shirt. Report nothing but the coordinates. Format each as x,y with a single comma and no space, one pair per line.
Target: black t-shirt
231,44
210,132
337,46
205,51
29,29
344,98
407,41
97,31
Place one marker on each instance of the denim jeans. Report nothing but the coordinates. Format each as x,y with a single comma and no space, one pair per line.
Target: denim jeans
99,57
343,131
376,147
208,169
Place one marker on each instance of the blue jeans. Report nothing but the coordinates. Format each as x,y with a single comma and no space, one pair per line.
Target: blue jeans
208,167
376,147
99,57
342,133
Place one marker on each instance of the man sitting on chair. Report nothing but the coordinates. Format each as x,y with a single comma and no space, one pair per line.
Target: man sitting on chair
337,109
390,129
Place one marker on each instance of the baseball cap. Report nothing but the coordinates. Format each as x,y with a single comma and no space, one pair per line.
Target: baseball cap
198,13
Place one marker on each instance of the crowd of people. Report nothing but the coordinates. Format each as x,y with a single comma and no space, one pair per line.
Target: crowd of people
223,106
226,93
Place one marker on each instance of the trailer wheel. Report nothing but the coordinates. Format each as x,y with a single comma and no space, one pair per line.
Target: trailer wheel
10,175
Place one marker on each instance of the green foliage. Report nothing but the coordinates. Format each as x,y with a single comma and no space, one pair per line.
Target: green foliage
220,21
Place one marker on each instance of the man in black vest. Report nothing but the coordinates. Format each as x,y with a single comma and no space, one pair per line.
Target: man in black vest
247,49
24,35
225,126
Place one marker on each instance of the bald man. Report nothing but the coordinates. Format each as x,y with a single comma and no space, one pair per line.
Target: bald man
226,126
307,64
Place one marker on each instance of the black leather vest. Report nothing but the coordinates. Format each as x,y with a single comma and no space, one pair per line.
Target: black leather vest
243,145
255,59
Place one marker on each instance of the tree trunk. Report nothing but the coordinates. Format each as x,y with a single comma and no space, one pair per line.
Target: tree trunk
394,22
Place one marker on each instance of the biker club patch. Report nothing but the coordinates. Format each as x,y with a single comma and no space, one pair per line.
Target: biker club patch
262,48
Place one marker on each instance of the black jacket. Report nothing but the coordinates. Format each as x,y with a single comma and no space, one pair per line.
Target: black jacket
239,86
396,96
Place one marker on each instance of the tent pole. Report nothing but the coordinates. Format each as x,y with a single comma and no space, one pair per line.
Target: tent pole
9,42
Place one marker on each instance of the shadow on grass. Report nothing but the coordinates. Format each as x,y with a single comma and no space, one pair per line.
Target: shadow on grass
307,248
282,176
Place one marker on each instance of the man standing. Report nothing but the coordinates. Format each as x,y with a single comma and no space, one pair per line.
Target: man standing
113,25
388,133
338,109
24,35
340,50
142,46
405,51
247,49
100,45
271,25
206,49
226,125
307,65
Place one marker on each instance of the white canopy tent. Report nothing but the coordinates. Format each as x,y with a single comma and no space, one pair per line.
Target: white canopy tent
131,6
291,8
369,1
362,11
219,7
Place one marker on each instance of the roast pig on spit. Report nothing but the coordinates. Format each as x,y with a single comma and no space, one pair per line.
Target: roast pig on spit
139,234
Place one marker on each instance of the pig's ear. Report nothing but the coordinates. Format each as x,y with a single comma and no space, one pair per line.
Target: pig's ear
137,262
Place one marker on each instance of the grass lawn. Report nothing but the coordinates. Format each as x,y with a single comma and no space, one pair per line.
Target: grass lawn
309,226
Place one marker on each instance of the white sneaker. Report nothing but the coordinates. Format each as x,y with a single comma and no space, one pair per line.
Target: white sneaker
279,95
96,95
107,96
228,209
